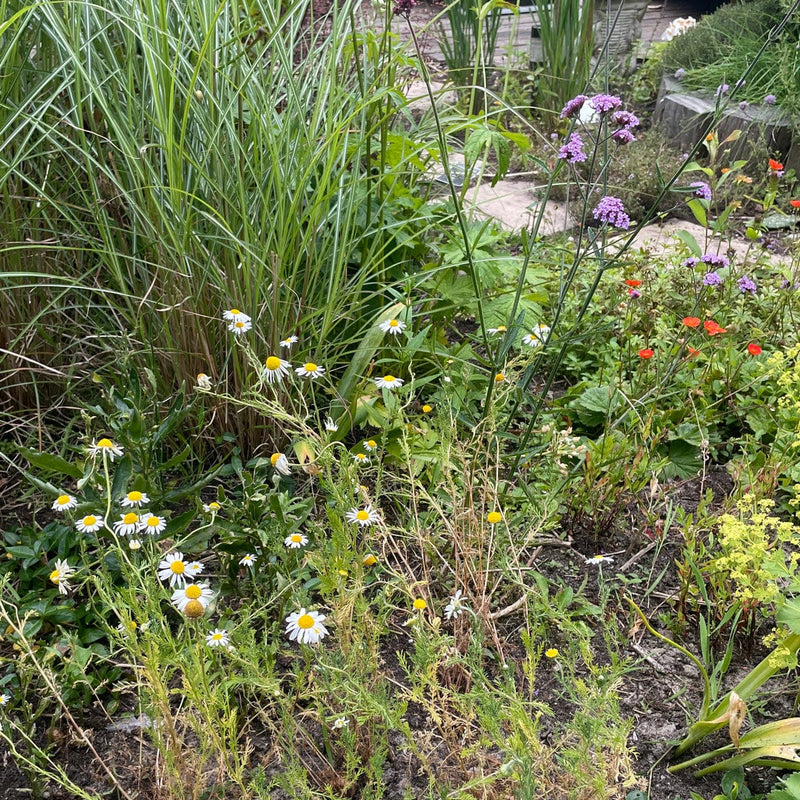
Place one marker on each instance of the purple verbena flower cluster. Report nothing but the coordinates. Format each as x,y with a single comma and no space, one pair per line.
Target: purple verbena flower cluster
712,279
573,151
403,8
717,262
747,284
611,211
770,100
573,106
623,136
701,190
603,103
691,262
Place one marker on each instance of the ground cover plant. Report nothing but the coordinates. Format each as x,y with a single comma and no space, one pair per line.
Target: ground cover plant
323,487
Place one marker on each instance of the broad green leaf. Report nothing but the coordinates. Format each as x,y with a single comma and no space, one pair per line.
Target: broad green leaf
690,242
51,463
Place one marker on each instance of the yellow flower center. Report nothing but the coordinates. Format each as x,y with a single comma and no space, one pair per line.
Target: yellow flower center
273,459
297,537
90,520
499,378
130,518
362,515
135,497
194,609
343,573
105,443
360,456
393,323
551,653
217,637
370,560
501,329
177,567
235,311
493,517
55,576
372,443
214,506
273,363
63,499
305,622
426,409
389,379
310,367
238,324
420,604
193,591
153,522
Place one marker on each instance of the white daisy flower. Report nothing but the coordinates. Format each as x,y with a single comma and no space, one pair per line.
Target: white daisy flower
61,574
498,329
135,500
330,425
288,342
173,569
340,722
89,524
275,369
370,444
127,524
455,607
537,337
212,507
280,463
393,326
5,699
152,524
248,561
597,560
134,544
194,568
361,458
296,540
106,448
363,516
310,370
234,315
65,502
240,326
203,381
218,638
306,627
192,591
388,382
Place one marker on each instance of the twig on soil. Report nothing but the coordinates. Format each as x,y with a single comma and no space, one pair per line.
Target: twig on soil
648,658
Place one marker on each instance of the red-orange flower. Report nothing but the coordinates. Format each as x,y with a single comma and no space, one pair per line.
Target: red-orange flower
646,353
690,322
775,165
633,283
712,328
753,349
691,351
794,203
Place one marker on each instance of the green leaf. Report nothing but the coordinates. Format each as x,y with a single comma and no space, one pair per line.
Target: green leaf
51,463
690,242
596,404
684,460
699,211
122,474
788,614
